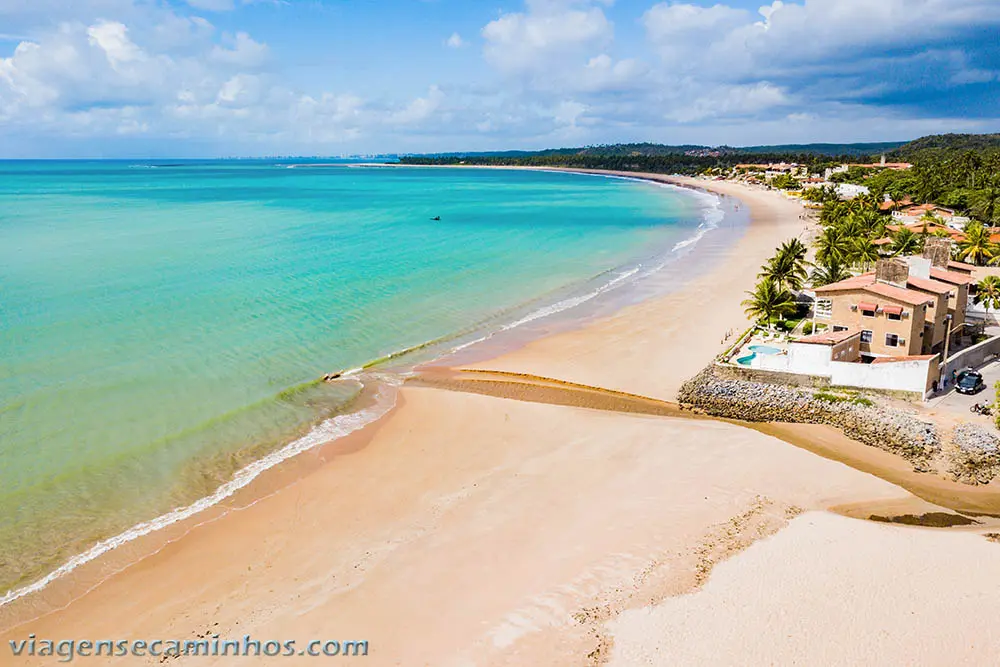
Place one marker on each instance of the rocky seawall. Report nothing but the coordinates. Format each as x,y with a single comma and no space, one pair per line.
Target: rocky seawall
975,454
860,419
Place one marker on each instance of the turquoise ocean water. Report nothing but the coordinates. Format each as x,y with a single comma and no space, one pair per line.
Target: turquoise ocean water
163,325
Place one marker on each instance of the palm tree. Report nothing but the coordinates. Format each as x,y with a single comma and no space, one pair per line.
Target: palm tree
977,247
988,292
832,246
827,274
786,270
767,300
833,212
872,222
927,220
795,248
905,242
852,228
863,252
985,204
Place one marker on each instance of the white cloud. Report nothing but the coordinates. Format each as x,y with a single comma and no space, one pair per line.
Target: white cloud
243,51
722,41
550,32
112,38
602,73
731,101
419,109
157,69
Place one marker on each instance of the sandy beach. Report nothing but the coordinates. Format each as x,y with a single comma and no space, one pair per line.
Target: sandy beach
483,528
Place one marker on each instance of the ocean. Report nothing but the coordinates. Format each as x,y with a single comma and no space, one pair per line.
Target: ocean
164,325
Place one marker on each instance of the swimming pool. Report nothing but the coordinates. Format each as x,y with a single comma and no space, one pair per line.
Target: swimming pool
755,350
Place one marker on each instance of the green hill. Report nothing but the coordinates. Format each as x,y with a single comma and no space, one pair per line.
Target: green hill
945,146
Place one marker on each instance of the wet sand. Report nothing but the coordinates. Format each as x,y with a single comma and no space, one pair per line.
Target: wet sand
488,523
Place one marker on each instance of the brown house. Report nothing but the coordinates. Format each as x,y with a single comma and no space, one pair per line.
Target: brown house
957,275
894,319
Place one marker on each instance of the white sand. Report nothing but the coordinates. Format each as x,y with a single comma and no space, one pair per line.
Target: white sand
828,590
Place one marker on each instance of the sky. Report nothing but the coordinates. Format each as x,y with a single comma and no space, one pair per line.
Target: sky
206,78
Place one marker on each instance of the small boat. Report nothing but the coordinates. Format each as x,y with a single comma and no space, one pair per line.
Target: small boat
436,218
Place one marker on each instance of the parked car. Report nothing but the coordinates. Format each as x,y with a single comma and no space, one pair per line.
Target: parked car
969,382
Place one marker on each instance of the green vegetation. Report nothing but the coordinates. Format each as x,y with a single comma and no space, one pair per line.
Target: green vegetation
996,403
769,300
947,145
961,172
828,273
772,298
785,182
662,159
977,248
788,266
988,292
846,397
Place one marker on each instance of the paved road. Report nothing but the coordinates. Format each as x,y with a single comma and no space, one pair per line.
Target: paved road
960,403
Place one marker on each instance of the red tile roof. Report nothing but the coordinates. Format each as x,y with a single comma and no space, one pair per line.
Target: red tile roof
889,205
909,296
854,282
828,338
929,285
892,360
866,282
952,277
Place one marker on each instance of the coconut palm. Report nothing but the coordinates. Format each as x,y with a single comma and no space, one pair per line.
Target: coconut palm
795,248
977,247
985,204
872,222
832,246
988,292
786,270
767,300
827,274
852,228
863,252
905,242
833,212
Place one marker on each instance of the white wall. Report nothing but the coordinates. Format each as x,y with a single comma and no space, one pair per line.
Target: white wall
895,376
973,357
806,359
802,358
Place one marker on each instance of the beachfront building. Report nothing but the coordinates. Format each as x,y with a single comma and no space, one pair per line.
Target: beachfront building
957,275
916,213
851,191
835,357
891,318
907,307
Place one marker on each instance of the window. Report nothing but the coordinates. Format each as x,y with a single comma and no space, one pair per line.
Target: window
894,316
892,340
837,327
824,308
867,313
866,336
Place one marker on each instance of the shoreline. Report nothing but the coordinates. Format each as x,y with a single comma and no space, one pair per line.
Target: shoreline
530,528
328,432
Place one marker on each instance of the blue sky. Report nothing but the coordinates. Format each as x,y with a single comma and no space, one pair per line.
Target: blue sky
129,78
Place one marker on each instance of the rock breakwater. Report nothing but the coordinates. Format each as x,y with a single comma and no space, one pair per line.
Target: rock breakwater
860,419
975,457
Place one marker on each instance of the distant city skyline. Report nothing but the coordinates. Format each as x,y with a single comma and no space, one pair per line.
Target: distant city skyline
204,78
